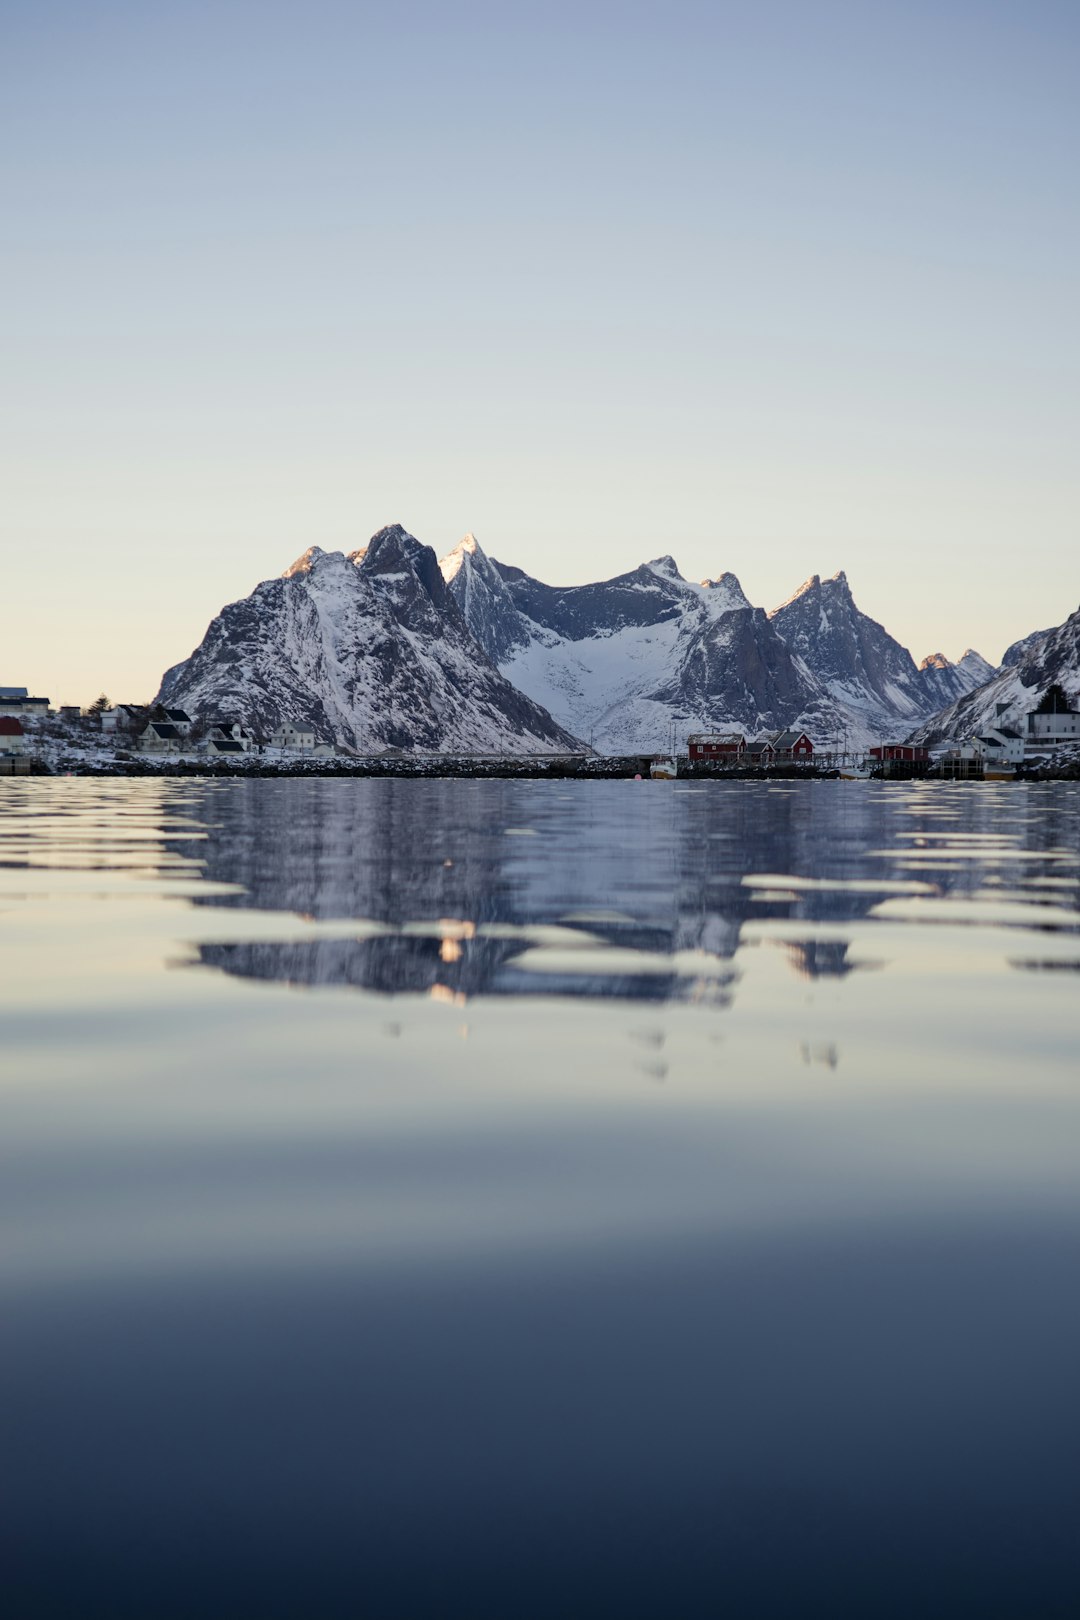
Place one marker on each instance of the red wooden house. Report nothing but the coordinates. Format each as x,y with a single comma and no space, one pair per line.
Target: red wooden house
716,745
793,745
900,751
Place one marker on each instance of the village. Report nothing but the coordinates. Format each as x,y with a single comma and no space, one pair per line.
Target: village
30,728
1036,738
133,738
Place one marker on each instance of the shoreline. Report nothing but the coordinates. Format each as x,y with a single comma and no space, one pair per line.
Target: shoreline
617,768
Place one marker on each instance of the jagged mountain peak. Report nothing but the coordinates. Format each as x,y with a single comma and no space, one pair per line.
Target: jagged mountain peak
729,584
937,660
852,654
837,588
393,554
304,563
467,551
666,567
805,589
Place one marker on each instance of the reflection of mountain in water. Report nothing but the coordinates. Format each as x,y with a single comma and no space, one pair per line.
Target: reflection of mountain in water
820,958
638,867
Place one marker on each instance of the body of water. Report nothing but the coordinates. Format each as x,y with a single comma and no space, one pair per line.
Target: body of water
518,1199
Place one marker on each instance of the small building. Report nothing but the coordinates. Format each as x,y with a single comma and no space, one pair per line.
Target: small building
70,712
12,735
716,745
175,717
125,717
901,753
794,746
998,746
160,738
760,751
228,729
1048,728
288,735
16,703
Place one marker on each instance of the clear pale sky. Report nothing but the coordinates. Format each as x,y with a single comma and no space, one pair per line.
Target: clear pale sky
779,287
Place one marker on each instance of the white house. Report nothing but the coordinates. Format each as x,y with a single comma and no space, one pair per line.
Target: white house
224,730
998,746
1048,730
16,703
178,718
124,717
160,738
289,735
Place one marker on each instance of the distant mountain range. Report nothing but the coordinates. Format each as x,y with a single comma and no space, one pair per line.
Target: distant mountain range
388,647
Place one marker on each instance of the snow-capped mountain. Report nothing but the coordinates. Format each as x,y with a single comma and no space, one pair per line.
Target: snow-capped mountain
1047,657
368,649
865,669
626,661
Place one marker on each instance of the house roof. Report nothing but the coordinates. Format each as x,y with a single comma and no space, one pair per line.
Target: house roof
788,739
10,727
225,745
716,737
178,716
12,691
166,732
759,745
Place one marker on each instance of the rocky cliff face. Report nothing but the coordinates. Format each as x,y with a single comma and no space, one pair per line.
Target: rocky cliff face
1039,661
370,650
864,668
943,682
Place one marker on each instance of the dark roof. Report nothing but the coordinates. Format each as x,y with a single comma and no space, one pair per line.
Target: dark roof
178,716
225,746
1007,731
165,732
10,727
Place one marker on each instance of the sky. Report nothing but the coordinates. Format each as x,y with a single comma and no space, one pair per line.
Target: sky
778,287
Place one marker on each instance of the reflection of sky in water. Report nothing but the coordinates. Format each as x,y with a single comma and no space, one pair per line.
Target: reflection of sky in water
593,1185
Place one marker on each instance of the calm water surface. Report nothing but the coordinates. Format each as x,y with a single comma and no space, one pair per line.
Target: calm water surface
520,1199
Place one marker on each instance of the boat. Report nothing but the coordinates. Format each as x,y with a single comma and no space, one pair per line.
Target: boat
664,768
854,773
